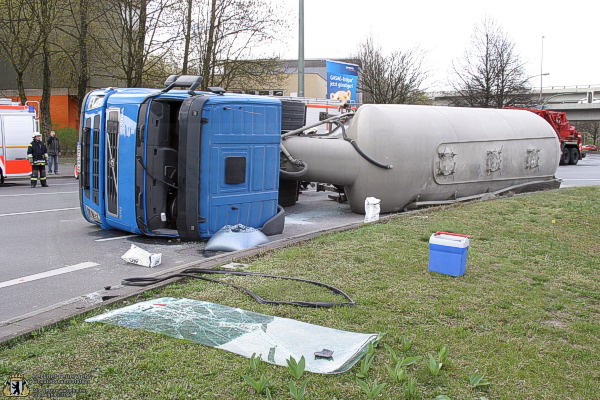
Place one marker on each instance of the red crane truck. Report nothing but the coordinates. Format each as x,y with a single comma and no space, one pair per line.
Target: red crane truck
570,138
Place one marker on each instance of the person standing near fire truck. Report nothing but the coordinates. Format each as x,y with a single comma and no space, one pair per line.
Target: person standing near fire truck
53,145
38,157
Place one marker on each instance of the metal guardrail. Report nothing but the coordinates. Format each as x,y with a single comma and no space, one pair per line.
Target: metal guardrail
594,86
535,91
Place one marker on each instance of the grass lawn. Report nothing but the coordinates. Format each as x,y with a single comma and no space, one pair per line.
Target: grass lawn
526,314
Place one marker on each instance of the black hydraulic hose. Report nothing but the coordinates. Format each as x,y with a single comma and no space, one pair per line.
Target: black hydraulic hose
359,150
293,175
139,159
197,273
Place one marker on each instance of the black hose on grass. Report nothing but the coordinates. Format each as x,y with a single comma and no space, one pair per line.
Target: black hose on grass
197,273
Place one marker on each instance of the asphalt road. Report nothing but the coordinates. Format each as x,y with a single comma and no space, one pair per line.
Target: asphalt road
43,232
585,173
49,254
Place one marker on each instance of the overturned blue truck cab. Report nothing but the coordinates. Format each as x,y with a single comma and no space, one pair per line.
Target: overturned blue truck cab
180,163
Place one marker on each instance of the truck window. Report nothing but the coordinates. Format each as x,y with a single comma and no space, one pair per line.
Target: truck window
95,102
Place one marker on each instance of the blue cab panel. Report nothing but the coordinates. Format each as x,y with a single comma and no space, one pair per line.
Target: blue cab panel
179,163
239,162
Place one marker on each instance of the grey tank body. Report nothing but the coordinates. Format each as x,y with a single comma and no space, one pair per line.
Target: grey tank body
437,153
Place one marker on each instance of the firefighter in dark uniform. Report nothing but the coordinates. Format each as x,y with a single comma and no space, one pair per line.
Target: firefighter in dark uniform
38,158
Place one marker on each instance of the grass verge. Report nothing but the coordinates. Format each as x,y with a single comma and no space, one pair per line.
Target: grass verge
526,314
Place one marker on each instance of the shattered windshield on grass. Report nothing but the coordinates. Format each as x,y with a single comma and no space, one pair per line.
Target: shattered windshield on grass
243,332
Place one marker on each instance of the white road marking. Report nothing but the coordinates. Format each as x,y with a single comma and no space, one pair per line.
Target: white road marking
39,211
580,179
35,194
115,238
48,274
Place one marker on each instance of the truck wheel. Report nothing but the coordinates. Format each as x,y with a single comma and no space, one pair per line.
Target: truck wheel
565,158
288,192
574,156
1,177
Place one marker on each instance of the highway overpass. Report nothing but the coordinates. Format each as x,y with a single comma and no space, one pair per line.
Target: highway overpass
557,98
577,112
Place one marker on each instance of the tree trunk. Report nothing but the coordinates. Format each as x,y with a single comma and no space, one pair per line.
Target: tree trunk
21,87
141,45
188,36
46,91
208,59
83,80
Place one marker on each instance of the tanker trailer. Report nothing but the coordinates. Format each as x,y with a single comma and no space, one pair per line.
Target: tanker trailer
407,154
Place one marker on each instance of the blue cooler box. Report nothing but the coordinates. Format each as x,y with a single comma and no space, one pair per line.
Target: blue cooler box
448,253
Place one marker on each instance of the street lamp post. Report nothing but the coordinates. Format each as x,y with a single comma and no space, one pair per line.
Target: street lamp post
542,69
301,50
541,76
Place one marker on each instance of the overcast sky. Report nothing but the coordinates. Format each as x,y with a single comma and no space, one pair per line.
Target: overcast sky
443,29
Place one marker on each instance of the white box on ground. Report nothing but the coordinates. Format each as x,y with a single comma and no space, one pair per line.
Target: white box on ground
372,209
139,256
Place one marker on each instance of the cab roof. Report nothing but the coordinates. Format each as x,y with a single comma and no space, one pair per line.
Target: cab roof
138,95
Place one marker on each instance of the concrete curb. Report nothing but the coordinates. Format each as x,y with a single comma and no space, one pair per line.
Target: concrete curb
30,323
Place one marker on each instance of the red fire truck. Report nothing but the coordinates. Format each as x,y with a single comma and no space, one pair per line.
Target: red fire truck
17,125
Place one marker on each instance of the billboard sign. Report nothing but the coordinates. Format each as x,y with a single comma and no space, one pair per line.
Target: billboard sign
342,80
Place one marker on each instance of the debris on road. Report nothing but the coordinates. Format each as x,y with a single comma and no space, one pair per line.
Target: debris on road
137,255
236,237
234,266
372,207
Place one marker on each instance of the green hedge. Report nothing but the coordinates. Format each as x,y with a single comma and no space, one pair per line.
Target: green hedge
68,140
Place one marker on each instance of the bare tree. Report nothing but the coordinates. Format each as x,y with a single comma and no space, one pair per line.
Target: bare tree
226,37
590,129
251,74
46,15
139,34
187,36
20,37
393,79
76,40
491,73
